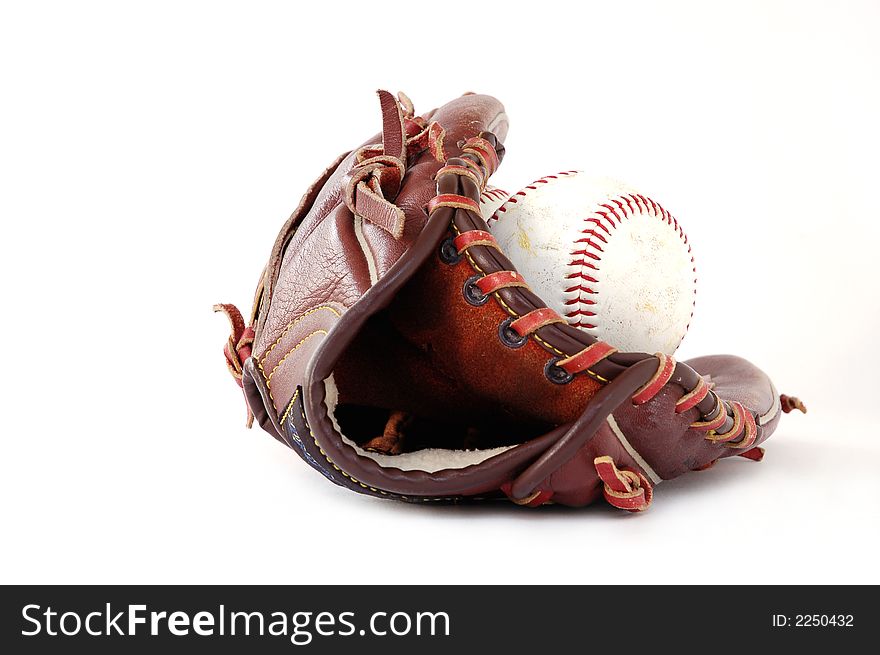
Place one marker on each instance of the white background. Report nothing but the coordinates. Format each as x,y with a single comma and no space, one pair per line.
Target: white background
150,153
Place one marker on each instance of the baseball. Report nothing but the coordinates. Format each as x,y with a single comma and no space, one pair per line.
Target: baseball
607,258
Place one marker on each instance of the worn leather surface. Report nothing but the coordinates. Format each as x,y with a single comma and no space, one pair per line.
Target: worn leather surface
322,263
385,318
463,365
662,437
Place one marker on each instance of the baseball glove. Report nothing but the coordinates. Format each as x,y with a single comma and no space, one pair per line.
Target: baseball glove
396,349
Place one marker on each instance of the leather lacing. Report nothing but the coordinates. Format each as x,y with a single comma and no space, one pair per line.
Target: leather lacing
372,185
623,488
238,346
375,180
371,188
641,379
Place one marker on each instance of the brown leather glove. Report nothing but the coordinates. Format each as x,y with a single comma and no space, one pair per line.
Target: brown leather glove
397,350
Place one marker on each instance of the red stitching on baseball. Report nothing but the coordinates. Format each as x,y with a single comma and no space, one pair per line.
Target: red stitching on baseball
599,223
592,233
621,207
532,187
492,194
585,264
581,275
611,209
610,221
581,287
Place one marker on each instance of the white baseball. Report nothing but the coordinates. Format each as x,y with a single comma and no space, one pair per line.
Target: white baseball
608,259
